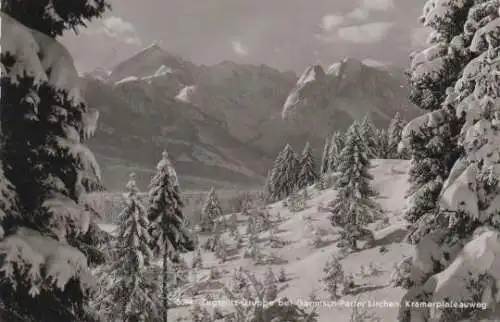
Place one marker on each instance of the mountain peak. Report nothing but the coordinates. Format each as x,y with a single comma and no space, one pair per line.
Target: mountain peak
148,61
312,73
347,66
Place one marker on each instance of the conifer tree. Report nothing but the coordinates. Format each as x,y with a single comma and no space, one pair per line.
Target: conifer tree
46,166
211,211
271,285
333,277
284,174
197,259
282,275
382,139
307,168
325,157
336,146
168,229
131,296
463,230
367,132
394,136
354,205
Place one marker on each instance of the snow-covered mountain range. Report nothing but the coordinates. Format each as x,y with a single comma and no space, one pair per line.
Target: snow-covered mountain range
223,124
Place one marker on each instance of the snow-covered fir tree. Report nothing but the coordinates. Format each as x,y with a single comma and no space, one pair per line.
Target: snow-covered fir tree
233,224
8,203
211,211
336,146
168,225
381,138
463,234
307,174
325,157
50,238
238,282
221,250
197,259
353,205
367,132
271,285
394,136
333,277
131,296
282,277
431,140
317,239
284,174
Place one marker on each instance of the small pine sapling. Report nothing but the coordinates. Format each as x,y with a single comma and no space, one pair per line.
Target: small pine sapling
197,259
333,277
282,275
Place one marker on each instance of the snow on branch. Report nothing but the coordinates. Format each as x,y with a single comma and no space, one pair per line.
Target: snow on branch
39,257
38,56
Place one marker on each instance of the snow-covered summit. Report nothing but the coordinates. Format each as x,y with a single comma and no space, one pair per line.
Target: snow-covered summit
186,94
152,61
347,91
348,66
312,73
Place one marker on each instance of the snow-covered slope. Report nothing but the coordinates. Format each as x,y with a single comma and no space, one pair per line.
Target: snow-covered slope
304,263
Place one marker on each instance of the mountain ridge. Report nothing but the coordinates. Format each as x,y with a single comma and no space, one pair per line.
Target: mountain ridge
223,124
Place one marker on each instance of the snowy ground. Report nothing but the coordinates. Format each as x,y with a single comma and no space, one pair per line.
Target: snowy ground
304,263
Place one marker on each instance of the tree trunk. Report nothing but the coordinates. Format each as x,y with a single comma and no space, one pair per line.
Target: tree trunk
164,290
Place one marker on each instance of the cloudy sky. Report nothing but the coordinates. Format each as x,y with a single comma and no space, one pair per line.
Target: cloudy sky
285,34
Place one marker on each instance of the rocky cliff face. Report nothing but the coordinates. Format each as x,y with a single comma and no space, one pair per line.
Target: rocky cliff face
223,124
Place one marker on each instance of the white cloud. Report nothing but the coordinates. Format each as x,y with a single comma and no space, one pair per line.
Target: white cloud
359,14
381,5
116,27
239,48
329,22
366,33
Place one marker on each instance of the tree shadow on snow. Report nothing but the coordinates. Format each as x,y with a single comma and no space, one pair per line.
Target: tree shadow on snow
364,289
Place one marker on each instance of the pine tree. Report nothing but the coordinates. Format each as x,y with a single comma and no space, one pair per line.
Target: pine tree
382,140
239,281
131,296
8,203
168,225
284,174
221,250
52,237
282,275
211,211
336,146
353,205
53,17
367,132
307,174
394,136
325,157
271,285
197,259
464,228
333,277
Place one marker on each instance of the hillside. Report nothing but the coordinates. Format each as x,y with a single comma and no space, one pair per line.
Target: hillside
223,124
304,263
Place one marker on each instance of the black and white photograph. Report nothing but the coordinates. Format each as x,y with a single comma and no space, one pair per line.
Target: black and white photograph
250,161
